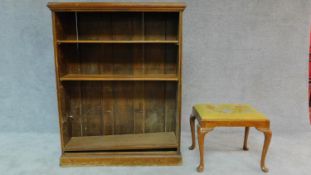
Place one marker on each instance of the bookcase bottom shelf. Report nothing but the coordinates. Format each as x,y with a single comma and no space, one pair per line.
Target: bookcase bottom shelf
133,159
146,141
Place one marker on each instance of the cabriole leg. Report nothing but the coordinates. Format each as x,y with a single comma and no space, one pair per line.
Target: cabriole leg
268,134
245,147
192,121
201,133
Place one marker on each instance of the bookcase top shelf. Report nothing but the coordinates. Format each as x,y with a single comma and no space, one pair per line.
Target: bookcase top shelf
122,6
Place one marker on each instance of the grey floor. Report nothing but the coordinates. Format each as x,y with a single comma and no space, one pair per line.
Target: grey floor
289,154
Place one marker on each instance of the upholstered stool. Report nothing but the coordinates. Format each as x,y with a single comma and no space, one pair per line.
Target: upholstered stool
210,116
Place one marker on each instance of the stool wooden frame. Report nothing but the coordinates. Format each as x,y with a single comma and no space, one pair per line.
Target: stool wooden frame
205,126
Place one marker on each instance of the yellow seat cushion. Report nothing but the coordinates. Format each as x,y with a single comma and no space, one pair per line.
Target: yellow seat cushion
228,112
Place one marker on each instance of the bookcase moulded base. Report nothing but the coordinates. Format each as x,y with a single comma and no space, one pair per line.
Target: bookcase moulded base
148,159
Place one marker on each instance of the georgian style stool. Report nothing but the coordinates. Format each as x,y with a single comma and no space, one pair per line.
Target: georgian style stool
210,116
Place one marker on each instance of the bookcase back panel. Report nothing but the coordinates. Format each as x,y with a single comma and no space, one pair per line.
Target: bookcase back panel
161,26
117,26
110,26
119,59
113,108
66,25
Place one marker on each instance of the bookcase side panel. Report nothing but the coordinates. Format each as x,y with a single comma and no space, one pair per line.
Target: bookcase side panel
63,120
179,91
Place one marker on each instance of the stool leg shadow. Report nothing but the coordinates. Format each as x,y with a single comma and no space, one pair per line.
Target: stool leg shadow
245,147
268,134
201,134
192,122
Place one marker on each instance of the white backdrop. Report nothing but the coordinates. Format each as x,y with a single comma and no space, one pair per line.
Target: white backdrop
244,51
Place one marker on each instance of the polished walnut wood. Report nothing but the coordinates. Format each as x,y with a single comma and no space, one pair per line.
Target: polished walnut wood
246,132
118,76
201,135
268,134
204,126
108,6
192,124
147,141
119,42
100,77
126,159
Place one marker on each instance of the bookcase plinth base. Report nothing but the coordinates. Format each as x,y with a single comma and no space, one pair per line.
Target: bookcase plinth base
70,159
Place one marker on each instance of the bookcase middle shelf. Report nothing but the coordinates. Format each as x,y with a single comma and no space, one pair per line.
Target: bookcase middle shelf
100,77
117,41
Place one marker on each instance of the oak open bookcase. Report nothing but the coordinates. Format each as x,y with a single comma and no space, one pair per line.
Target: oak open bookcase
118,73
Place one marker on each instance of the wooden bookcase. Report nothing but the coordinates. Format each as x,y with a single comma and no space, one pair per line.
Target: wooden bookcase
118,74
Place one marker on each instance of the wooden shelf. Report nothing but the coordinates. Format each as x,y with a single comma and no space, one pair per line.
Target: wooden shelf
98,77
118,41
160,140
